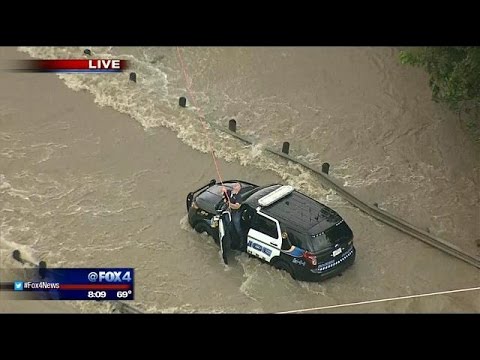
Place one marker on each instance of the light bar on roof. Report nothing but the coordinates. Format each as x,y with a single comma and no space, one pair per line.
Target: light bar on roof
275,195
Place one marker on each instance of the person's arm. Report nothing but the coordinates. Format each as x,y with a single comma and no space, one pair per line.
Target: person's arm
235,206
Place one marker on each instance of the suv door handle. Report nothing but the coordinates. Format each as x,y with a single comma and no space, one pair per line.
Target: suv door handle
271,243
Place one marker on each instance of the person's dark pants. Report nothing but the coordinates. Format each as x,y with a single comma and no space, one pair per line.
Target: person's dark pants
226,240
236,221
236,217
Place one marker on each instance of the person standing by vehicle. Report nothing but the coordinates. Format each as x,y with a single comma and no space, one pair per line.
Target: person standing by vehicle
234,203
231,220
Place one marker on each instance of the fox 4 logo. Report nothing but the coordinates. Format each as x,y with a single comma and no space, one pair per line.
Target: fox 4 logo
110,276
113,276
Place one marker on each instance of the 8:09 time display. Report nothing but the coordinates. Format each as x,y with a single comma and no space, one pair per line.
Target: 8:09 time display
97,294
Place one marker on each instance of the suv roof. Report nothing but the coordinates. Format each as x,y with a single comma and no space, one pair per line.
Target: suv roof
297,210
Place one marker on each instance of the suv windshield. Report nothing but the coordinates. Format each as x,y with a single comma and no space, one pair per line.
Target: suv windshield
252,196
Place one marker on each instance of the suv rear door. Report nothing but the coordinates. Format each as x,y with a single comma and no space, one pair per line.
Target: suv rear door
264,239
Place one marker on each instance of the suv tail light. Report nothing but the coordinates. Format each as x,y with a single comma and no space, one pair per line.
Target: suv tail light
310,258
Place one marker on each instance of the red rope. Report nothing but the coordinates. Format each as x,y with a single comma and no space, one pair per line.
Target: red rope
201,115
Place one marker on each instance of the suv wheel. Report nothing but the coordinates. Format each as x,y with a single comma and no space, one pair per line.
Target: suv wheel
202,227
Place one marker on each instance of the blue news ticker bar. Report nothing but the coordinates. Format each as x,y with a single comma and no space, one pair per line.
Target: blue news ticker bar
79,284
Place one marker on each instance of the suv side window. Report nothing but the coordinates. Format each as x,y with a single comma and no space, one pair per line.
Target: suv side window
264,225
286,244
294,237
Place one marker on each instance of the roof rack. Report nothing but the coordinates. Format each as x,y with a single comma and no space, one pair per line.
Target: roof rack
275,195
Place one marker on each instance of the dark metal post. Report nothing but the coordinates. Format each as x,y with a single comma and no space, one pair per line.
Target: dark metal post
42,268
16,255
325,168
232,125
182,102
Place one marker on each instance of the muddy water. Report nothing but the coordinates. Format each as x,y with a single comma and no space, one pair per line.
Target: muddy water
84,186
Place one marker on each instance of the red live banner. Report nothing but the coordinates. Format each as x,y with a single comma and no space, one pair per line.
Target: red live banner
78,65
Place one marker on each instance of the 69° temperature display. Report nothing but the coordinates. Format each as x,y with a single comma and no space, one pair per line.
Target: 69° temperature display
124,294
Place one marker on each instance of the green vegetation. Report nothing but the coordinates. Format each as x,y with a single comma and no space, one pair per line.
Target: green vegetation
454,79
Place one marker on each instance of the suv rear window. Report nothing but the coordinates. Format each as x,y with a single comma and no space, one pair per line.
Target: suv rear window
339,233
335,234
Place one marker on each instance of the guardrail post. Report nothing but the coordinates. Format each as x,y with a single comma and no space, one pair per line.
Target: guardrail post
182,102
325,168
17,256
42,269
232,125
